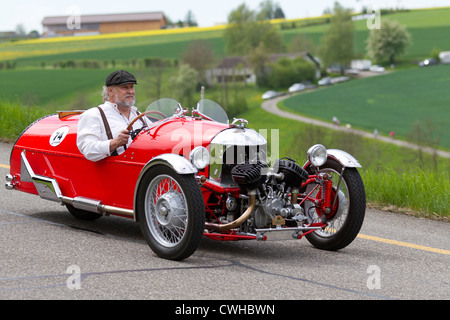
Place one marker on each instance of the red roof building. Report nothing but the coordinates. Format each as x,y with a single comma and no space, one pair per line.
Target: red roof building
102,24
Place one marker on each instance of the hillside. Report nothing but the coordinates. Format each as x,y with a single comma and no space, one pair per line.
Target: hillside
429,29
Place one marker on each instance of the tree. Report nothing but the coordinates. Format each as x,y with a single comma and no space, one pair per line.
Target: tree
157,69
34,34
259,60
270,10
338,41
190,19
20,30
279,13
200,56
287,71
387,42
245,32
301,42
184,84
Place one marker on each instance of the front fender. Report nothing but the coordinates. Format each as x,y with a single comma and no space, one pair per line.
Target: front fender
344,158
178,163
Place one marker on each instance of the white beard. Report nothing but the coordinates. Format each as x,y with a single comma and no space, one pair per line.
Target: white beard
125,103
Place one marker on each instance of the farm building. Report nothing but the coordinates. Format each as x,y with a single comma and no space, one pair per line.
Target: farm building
102,24
238,68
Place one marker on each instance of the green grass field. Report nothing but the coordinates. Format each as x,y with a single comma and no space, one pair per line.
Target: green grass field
391,102
49,87
100,47
428,28
170,47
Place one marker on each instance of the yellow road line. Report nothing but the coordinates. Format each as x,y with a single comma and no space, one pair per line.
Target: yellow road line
404,244
4,166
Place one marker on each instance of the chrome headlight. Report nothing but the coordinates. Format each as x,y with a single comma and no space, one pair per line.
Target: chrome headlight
199,157
317,155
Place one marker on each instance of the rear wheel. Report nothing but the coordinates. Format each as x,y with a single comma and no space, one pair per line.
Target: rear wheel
171,212
344,223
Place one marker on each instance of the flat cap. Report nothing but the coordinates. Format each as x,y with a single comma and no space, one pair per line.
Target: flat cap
120,77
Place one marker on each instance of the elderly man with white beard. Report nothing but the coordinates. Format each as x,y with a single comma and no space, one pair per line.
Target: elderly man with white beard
102,130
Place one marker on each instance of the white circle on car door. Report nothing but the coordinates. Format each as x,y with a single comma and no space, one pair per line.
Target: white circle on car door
58,136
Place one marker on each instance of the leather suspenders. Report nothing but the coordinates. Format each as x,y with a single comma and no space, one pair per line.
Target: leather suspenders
108,128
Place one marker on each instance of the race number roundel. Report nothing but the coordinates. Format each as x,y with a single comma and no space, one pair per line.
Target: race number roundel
58,136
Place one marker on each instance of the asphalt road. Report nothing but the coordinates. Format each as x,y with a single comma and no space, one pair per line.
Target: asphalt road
45,253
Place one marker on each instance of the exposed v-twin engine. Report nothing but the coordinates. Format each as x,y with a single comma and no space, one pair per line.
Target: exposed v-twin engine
276,188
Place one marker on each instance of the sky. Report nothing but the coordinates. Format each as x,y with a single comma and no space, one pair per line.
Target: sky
30,13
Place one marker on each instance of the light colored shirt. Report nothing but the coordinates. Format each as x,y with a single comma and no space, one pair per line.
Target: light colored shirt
92,140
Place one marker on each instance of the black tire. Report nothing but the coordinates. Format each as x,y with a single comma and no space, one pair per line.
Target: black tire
83,214
345,225
171,212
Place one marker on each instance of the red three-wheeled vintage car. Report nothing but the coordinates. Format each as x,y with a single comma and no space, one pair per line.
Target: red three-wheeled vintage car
189,175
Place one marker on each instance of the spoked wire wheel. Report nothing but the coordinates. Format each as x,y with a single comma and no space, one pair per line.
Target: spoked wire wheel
346,216
166,210
339,212
171,212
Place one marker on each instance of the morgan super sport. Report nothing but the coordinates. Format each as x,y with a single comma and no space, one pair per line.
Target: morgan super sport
192,174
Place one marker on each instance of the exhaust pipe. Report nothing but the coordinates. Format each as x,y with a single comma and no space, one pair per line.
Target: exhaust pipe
236,223
95,206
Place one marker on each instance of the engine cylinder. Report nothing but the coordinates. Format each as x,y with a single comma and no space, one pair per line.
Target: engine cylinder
248,175
294,175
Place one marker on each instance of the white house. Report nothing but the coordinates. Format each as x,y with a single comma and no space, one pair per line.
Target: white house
444,56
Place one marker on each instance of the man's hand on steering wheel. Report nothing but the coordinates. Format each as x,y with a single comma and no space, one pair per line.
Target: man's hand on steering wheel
120,141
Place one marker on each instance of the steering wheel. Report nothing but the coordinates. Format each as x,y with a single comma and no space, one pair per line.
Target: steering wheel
130,126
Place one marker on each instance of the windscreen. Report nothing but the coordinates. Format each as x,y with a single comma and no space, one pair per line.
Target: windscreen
161,109
212,110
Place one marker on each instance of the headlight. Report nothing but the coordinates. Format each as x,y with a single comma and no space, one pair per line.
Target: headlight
199,157
317,155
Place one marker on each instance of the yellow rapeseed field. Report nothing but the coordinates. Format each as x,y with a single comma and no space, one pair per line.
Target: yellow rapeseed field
59,45
145,33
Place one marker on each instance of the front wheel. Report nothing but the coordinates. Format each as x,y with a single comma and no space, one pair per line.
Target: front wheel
171,212
344,224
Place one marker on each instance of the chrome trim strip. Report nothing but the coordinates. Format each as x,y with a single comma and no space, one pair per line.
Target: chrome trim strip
239,137
47,188
273,234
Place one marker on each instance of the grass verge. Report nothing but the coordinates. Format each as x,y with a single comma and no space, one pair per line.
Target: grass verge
15,117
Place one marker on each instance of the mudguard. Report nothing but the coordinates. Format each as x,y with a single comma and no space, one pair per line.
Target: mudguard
344,158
